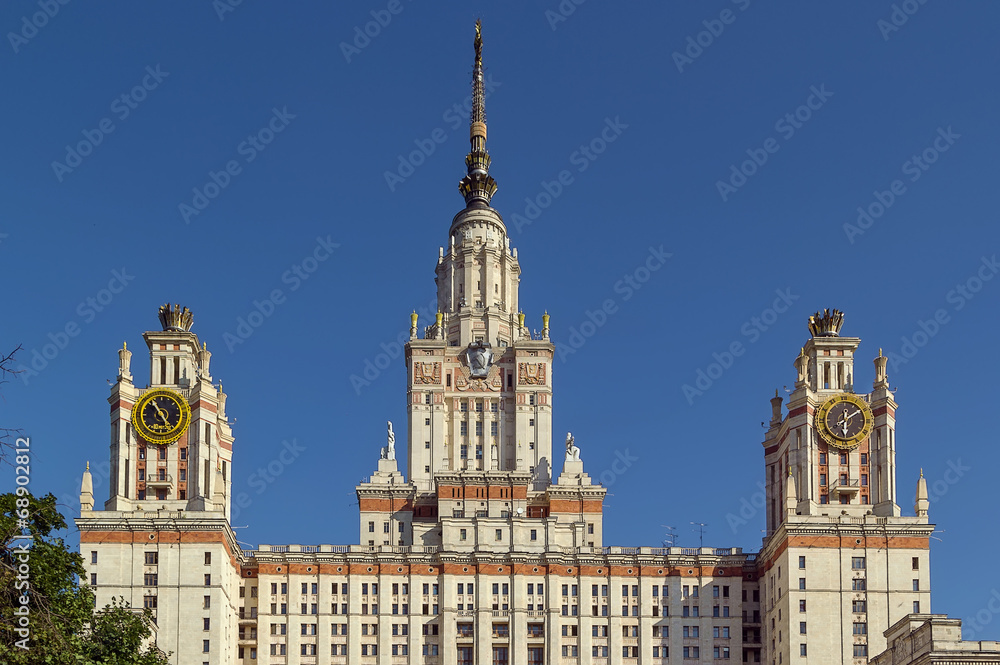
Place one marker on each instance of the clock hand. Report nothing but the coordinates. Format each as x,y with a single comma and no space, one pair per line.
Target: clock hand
160,412
844,421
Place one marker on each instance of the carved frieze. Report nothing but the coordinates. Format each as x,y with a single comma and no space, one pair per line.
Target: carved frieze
464,381
425,373
531,374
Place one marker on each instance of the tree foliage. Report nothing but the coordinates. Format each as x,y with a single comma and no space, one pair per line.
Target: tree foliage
64,627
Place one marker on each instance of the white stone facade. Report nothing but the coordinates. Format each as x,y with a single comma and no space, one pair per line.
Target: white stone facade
490,548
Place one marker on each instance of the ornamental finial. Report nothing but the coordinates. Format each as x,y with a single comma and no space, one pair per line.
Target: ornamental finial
479,43
175,319
477,186
826,323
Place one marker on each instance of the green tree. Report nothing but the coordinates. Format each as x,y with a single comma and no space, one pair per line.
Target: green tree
64,627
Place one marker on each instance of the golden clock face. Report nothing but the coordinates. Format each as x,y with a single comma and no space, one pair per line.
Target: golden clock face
161,416
844,421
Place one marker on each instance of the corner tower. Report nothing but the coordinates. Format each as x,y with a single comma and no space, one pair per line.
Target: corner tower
163,539
837,549
157,463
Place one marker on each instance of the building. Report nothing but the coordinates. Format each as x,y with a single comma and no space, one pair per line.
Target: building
933,639
490,548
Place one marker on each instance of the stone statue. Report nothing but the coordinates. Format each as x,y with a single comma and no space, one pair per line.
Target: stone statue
572,451
389,452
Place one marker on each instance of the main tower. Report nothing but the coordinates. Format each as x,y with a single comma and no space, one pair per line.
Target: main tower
840,564
479,400
479,384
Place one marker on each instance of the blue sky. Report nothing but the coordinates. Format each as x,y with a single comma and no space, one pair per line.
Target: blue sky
745,139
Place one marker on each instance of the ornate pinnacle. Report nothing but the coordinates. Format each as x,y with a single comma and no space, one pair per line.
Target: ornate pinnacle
826,323
479,43
477,186
175,318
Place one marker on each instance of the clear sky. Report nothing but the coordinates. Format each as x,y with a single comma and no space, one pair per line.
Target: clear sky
746,136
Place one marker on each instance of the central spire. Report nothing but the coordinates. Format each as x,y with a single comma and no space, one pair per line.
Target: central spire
477,186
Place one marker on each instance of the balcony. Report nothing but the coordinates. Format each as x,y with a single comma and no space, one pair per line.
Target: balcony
845,487
160,480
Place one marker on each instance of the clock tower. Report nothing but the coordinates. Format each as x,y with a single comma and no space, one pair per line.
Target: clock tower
163,538
838,549
171,444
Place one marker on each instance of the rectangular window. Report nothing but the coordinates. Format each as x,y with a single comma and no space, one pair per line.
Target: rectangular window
802,562
802,628
802,650
858,584
802,584
916,585
152,558
858,563
860,650
860,628
916,607
916,563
